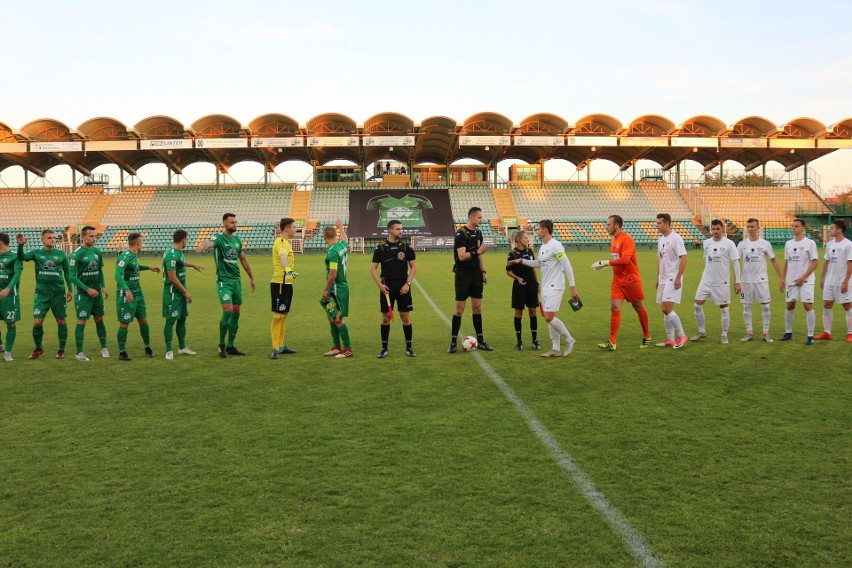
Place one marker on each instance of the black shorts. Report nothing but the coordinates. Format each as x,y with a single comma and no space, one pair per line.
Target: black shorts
282,297
402,301
524,296
468,285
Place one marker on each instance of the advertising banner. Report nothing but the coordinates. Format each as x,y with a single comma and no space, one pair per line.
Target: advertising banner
208,143
539,141
422,213
592,141
291,142
168,144
332,141
56,146
388,141
485,140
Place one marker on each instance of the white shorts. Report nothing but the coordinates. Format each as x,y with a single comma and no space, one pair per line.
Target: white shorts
551,300
755,292
803,293
668,292
719,294
833,294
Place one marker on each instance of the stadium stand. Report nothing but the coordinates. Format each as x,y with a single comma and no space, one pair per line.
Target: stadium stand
467,196
770,204
328,204
582,201
201,205
46,207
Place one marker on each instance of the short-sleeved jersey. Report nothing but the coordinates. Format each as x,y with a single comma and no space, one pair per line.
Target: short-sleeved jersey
10,270
335,259
798,255
718,256
282,247
51,269
468,239
408,210
669,250
622,259
527,273
550,256
838,255
394,259
754,255
127,273
86,265
174,259
226,251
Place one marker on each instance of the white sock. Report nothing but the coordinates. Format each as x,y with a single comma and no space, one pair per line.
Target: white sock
560,327
747,317
788,321
676,324
811,319
827,319
726,320
554,336
669,327
766,310
849,321
699,318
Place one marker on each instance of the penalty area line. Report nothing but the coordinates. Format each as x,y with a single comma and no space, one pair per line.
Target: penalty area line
632,539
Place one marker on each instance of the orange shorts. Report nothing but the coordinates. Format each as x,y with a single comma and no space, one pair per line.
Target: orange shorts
631,291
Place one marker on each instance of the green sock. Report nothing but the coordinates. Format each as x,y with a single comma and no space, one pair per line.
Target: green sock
38,335
335,335
145,331
102,333
181,333
224,324
11,332
344,335
168,331
79,331
122,338
232,329
63,336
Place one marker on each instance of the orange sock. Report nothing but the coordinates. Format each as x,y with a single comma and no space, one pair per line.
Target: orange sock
643,321
614,324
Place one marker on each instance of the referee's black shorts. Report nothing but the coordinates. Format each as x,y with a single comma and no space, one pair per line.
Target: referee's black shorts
468,285
402,301
282,297
524,296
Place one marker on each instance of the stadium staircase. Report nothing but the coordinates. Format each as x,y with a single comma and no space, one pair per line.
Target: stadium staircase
97,211
300,205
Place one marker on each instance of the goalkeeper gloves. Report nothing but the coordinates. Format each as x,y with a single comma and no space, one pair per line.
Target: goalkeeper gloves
291,273
600,264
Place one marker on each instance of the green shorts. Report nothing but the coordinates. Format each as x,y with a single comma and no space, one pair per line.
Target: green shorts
86,306
10,307
43,303
342,294
129,310
175,305
230,292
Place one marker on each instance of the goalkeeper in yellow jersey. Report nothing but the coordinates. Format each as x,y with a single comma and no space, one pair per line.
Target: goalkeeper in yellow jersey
281,287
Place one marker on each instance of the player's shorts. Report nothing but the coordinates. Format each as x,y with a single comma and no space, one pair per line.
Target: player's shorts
10,307
342,295
230,292
175,305
468,285
720,295
833,294
803,293
43,303
86,306
551,300
525,296
630,291
403,302
668,293
755,292
282,297
126,311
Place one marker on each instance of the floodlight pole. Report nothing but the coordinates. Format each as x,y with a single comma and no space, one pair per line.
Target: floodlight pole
73,180
763,175
677,174
806,174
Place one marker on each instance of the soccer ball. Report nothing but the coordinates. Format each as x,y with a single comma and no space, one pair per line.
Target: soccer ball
469,343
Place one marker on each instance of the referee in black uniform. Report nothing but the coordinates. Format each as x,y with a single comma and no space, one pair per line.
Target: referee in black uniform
470,276
524,287
396,258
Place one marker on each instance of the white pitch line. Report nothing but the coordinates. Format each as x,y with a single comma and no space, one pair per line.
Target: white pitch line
632,539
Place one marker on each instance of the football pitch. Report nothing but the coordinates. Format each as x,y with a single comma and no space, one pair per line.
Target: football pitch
715,455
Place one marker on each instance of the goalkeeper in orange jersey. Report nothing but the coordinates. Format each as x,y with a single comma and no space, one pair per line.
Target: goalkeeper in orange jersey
626,282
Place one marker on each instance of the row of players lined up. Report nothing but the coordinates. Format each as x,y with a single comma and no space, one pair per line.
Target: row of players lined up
84,270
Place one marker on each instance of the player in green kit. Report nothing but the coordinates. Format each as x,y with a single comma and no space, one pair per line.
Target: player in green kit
228,251
10,301
176,298
129,301
51,294
87,274
337,287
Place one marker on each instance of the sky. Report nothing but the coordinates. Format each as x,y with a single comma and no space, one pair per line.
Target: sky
73,61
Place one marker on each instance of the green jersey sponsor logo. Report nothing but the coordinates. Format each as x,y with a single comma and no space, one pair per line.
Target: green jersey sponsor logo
407,209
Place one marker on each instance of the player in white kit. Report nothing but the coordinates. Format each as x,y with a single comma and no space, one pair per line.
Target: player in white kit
754,251
800,262
836,272
720,254
555,266
671,264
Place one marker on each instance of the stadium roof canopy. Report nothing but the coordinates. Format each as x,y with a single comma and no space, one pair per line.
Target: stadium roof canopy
487,137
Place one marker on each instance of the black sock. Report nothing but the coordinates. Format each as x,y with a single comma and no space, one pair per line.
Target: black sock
534,328
385,334
477,326
518,330
406,329
456,328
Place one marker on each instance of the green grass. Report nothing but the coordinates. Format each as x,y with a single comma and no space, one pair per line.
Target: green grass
731,455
